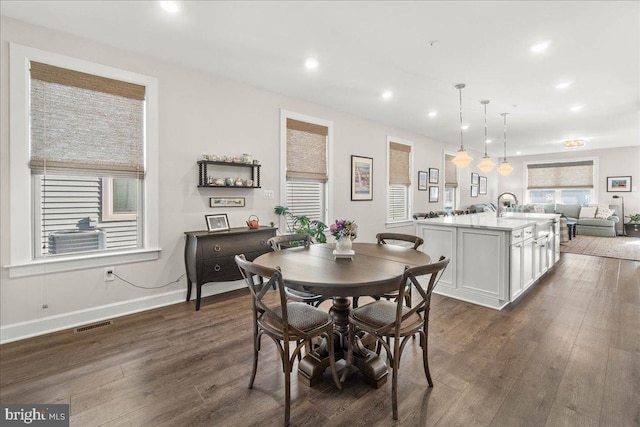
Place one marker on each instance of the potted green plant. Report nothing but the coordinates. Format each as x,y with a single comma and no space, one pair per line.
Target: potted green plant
632,228
303,224
634,218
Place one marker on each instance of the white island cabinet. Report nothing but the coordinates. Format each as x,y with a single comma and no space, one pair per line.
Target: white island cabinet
493,260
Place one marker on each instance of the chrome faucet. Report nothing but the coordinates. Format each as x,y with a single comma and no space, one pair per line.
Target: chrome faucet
500,207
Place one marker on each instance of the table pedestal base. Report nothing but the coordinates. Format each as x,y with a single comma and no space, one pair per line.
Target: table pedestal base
312,366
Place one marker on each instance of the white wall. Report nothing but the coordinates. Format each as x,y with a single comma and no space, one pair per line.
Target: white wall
611,162
199,114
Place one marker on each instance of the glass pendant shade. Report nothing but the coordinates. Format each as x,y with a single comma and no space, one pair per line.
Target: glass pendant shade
486,164
505,168
462,159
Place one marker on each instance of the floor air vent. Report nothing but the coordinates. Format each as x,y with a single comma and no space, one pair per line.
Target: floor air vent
93,326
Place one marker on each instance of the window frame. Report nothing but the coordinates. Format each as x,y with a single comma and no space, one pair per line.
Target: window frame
390,223
21,213
327,203
456,193
594,190
106,208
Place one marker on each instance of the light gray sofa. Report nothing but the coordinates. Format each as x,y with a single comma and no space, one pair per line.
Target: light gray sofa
591,226
584,226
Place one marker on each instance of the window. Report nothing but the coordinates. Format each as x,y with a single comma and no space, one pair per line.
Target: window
398,190
86,135
561,182
306,146
119,199
450,183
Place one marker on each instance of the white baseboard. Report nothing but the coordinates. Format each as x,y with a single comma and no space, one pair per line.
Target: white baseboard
46,325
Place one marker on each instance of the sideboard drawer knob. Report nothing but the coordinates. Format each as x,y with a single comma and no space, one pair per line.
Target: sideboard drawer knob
217,267
217,249
263,242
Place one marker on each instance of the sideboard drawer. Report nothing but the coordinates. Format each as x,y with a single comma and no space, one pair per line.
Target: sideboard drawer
220,269
233,244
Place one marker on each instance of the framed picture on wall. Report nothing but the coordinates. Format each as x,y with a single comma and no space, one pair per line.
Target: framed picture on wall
619,184
422,180
434,193
474,191
434,175
475,178
361,178
226,202
483,185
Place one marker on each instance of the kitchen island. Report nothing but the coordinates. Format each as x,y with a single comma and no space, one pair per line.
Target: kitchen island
493,260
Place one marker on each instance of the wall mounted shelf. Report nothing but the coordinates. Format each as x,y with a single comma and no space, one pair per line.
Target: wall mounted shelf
204,167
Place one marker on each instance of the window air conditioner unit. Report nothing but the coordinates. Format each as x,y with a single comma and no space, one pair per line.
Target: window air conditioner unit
68,241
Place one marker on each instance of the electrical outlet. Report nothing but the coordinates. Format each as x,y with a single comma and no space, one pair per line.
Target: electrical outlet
269,195
109,274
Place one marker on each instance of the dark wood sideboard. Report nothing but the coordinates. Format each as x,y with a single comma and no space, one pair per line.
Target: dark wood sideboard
209,256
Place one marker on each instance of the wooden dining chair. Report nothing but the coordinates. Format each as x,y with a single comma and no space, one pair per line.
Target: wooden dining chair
284,323
390,238
290,241
386,319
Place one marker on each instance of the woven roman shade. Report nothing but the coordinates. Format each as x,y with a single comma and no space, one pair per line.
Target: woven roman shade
306,150
560,175
399,155
82,124
450,172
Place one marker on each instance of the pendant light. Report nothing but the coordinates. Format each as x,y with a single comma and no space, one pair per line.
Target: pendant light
485,165
505,168
462,159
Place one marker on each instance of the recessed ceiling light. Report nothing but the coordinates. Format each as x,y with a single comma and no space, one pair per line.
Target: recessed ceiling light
170,6
465,127
432,113
387,94
518,152
564,85
576,108
489,141
540,47
573,143
311,63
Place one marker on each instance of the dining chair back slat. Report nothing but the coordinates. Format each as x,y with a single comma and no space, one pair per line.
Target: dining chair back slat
283,323
386,320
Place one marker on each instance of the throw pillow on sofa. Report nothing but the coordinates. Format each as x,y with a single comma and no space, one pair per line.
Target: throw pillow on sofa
588,212
604,213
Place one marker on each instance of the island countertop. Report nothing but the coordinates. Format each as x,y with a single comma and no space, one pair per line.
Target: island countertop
484,220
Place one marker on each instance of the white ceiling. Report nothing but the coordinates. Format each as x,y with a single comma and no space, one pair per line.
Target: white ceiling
366,47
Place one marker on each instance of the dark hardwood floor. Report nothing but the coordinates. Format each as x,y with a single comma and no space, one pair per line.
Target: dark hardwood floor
566,354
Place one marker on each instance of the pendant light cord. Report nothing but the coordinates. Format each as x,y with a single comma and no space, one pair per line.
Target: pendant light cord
461,132
485,128
504,115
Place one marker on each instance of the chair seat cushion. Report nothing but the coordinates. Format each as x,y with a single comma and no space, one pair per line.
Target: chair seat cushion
380,313
301,316
302,295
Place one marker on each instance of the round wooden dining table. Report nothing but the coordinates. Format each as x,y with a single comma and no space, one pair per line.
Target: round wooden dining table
374,269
